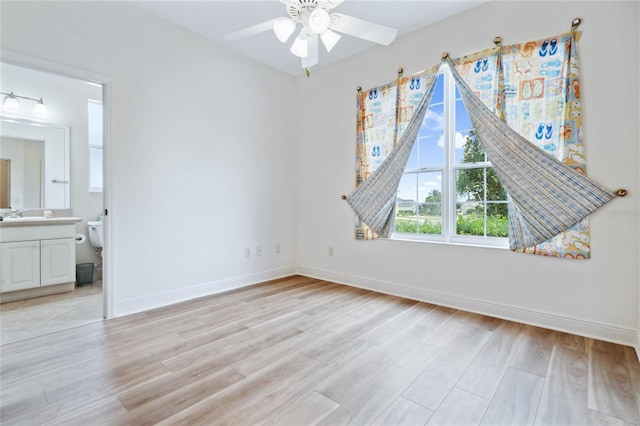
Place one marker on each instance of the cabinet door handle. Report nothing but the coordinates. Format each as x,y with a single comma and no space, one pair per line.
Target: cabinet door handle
59,181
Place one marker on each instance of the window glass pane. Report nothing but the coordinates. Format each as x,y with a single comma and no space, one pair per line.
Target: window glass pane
470,184
95,168
470,219
433,123
431,151
438,91
430,219
497,221
95,123
462,142
412,163
408,188
430,187
463,122
468,148
430,195
495,190
406,221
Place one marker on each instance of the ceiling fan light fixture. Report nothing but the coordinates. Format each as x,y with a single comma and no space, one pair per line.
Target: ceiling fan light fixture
319,21
284,28
329,39
300,47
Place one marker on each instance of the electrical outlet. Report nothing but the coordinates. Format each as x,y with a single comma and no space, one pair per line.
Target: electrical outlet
277,248
247,253
330,251
258,251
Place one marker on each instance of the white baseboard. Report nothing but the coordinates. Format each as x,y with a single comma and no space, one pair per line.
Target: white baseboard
581,327
159,300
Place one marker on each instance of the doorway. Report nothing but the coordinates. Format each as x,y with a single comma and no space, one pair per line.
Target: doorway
69,96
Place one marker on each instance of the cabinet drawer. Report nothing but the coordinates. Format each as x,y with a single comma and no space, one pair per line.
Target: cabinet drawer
30,233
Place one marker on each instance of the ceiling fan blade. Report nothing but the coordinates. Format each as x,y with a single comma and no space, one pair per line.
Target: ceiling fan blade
312,57
360,28
329,4
249,31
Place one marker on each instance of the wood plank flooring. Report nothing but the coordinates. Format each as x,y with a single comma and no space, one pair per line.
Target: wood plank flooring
300,351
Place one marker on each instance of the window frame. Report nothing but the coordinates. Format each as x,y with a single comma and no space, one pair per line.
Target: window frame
449,172
94,146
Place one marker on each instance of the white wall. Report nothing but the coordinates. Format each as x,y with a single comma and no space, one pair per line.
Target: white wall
594,297
201,147
66,101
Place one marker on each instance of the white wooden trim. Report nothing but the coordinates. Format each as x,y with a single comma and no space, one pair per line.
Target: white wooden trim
207,289
602,331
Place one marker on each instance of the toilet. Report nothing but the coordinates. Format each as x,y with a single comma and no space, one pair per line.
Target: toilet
96,234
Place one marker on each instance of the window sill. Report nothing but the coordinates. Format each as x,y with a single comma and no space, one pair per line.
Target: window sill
492,243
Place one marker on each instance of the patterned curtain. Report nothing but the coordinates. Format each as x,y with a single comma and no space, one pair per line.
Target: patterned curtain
374,144
546,196
542,103
524,102
482,72
375,137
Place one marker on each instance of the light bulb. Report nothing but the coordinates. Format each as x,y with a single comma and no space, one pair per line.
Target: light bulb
40,110
319,21
11,104
300,47
283,28
329,39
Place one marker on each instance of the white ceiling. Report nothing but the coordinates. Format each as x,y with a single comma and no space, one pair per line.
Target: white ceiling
214,18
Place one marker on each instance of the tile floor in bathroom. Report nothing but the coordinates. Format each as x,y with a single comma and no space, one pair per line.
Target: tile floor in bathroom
28,318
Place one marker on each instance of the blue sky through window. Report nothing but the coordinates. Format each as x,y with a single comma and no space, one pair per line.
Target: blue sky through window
428,151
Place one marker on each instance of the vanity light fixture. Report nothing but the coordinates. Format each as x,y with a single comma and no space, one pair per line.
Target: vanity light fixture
11,104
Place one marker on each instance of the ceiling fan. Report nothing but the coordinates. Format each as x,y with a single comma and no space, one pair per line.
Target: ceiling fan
316,21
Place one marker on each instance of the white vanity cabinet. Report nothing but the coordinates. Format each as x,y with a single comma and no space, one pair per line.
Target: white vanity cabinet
57,261
20,265
37,258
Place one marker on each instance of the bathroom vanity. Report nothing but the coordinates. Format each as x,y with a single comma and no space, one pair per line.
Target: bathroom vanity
37,256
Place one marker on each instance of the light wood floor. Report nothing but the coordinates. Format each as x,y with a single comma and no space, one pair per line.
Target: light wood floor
299,351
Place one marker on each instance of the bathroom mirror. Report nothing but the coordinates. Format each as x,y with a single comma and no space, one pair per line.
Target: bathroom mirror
36,174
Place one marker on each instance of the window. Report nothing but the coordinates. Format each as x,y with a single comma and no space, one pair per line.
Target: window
95,145
449,191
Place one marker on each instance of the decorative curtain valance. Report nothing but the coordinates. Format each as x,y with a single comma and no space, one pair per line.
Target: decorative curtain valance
524,103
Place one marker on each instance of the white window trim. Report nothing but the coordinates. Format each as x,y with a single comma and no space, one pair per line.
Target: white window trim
449,185
95,189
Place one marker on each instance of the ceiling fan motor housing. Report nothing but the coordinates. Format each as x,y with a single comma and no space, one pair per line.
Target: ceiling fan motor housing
299,8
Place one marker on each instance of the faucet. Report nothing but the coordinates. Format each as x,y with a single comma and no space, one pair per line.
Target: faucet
17,213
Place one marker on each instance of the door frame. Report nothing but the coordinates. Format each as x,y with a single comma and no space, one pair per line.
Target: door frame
26,61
